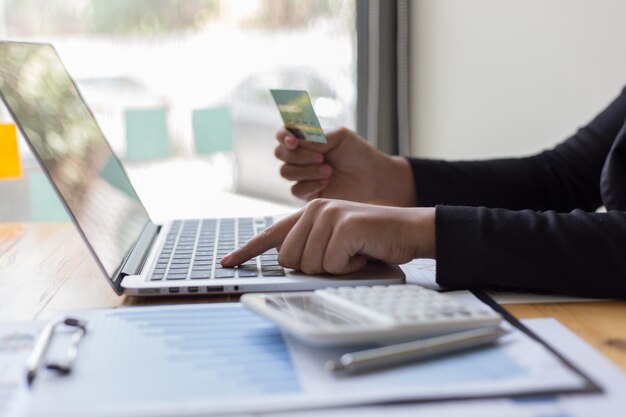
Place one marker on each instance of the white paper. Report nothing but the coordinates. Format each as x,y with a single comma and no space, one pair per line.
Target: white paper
424,272
611,403
504,297
210,359
421,272
542,370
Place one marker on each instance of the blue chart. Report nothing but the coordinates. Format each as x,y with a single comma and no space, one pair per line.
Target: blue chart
178,354
232,345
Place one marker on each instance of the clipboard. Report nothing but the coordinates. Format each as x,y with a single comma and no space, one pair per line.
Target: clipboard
206,359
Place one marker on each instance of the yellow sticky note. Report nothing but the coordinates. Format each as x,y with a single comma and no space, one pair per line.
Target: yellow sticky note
10,166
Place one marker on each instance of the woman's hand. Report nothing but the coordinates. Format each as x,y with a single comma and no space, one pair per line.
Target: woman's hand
346,168
337,237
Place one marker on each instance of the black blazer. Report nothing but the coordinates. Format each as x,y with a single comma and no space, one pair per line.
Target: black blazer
530,223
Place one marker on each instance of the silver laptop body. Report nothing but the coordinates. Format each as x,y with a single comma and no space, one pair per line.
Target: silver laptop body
136,255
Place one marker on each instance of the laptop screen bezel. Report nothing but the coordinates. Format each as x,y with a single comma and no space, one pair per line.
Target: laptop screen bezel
116,279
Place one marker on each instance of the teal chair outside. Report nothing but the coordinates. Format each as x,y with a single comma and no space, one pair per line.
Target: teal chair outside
112,173
45,205
212,130
146,134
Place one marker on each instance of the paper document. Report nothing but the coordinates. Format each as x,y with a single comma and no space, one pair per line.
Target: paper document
421,272
611,403
507,297
424,272
216,358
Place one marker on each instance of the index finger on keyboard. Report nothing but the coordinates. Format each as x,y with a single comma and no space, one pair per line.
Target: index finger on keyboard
270,238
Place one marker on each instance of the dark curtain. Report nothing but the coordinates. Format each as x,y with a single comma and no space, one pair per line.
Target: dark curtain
383,74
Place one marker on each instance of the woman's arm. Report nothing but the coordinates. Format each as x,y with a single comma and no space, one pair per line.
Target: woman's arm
577,253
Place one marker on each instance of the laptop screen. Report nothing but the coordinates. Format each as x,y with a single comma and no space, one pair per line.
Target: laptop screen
69,144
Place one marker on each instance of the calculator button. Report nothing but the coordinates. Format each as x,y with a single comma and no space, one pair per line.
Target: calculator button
407,306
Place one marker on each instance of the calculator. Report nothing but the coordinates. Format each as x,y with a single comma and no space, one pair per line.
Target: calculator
369,315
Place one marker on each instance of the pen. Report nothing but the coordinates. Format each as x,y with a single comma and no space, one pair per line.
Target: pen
386,356
34,361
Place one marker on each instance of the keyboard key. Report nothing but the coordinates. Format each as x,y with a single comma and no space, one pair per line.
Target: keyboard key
176,276
273,273
156,277
224,273
204,259
245,273
271,268
201,268
207,251
249,270
200,275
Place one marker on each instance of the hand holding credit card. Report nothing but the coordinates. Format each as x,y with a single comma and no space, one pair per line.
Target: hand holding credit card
298,115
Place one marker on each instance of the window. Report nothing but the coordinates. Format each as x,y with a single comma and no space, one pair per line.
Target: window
184,55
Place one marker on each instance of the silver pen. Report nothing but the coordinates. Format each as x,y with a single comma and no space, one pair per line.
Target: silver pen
37,356
387,356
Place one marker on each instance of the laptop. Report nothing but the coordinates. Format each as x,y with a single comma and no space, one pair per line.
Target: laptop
136,255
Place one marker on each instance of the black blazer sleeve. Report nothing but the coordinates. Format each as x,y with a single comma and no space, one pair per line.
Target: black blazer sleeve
558,245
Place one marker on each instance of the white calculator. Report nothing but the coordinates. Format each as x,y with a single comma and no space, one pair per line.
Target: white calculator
378,314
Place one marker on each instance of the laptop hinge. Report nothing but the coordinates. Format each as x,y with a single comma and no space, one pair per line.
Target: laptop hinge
138,254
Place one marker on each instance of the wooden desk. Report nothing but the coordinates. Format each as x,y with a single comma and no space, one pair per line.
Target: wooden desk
45,269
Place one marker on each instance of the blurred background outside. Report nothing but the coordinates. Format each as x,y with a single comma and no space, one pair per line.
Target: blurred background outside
180,87
181,90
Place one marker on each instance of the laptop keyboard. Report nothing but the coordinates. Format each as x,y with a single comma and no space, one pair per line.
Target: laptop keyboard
193,249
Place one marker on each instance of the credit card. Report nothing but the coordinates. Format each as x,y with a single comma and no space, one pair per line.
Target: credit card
298,115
